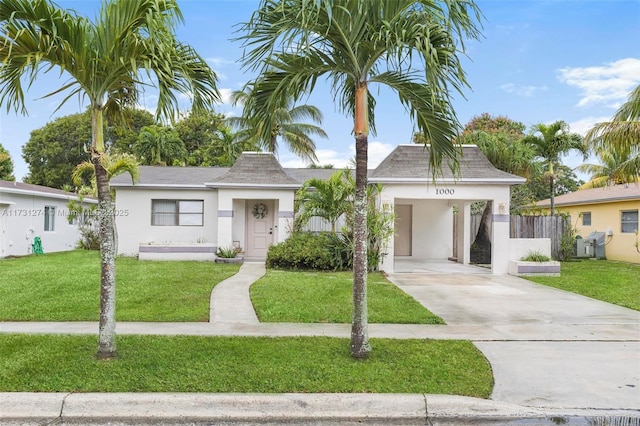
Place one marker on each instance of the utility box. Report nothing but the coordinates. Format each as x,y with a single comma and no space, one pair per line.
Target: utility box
584,248
593,245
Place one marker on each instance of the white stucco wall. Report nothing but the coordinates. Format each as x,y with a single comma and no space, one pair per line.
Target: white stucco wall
22,218
133,219
433,219
232,228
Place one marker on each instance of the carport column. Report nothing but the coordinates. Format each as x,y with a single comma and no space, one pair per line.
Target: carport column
500,237
464,232
225,218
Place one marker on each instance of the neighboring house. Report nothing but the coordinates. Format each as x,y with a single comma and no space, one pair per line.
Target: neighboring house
28,211
251,205
612,210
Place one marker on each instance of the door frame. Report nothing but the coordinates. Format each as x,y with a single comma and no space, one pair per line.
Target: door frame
249,219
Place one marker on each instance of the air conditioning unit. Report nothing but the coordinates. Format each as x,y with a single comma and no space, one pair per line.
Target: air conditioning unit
585,248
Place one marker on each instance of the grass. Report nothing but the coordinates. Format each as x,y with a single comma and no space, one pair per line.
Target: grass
313,297
63,363
613,282
66,286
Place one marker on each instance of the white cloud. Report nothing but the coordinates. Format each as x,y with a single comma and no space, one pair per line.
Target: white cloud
217,61
526,91
225,95
609,84
583,125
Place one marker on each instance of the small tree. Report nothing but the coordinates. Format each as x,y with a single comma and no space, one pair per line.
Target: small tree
329,199
6,165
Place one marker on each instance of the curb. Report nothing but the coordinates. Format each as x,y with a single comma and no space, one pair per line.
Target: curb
262,408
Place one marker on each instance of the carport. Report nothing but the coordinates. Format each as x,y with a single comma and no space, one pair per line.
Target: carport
424,208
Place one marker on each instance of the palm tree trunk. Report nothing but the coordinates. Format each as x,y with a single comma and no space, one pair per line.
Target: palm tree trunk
107,325
552,197
360,347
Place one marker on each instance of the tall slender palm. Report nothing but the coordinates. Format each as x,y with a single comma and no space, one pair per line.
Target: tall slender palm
285,121
227,146
550,142
106,60
410,46
610,170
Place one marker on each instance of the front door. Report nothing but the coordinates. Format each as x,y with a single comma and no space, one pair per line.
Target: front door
402,240
259,228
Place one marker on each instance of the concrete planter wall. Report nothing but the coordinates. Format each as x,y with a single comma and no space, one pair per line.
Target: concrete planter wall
177,251
237,259
524,268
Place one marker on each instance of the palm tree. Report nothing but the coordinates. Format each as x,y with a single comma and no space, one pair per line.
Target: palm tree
550,141
105,60
410,46
621,134
114,164
159,145
227,146
328,199
284,121
610,171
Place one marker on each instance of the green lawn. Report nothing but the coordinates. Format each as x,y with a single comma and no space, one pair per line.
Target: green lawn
286,296
610,281
65,287
63,363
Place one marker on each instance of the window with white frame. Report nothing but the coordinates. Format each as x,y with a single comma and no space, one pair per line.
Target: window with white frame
49,218
586,218
629,221
177,212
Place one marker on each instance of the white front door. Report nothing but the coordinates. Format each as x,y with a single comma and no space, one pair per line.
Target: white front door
402,242
260,216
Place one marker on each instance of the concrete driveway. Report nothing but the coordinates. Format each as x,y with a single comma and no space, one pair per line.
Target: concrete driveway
547,347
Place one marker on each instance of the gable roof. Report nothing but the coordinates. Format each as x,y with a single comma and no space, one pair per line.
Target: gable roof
606,194
410,163
255,169
39,190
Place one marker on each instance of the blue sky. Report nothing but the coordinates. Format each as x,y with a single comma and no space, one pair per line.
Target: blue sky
538,61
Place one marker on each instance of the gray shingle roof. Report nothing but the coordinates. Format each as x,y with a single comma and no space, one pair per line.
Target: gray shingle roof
411,162
255,168
405,163
172,176
10,186
303,175
607,194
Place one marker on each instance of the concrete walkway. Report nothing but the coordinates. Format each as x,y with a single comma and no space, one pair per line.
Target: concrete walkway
230,301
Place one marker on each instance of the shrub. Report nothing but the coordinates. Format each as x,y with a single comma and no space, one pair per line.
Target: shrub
228,252
306,250
535,256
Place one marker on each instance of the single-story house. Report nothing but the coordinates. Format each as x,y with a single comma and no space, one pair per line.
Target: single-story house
190,211
28,211
611,210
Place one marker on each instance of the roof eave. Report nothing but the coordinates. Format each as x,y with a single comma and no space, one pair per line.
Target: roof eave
252,185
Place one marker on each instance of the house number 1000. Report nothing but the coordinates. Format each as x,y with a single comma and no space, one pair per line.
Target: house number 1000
445,191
